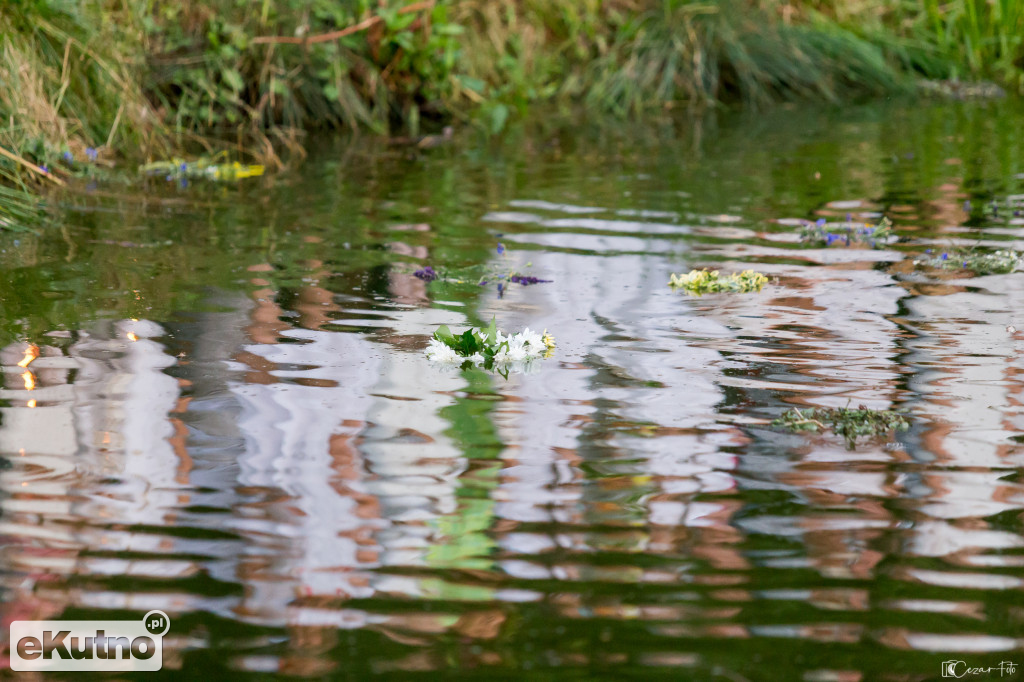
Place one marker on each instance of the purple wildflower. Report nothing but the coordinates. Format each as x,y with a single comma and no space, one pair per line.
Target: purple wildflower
44,169
945,256
927,250
967,206
829,238
501,290
849,217
184,167
69,157
820,222
501,248
427,274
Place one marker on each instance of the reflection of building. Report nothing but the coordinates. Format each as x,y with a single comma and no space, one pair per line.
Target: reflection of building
91,459
621,429
338,475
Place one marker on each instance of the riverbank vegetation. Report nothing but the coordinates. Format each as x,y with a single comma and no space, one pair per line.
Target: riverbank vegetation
139,80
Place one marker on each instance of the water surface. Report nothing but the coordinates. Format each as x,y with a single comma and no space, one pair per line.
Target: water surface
231,418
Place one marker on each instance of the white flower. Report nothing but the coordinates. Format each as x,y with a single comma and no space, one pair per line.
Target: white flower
517,350
532,339
439,352
476,359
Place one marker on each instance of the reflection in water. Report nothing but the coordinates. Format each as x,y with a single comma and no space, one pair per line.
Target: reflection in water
271,460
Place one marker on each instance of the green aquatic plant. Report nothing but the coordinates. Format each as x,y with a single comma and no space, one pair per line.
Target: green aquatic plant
823,233
979,262
706,281
843,421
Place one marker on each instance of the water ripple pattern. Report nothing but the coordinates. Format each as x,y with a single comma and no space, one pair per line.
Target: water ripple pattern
239,426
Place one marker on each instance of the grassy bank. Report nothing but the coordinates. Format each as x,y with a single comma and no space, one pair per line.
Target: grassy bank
92,83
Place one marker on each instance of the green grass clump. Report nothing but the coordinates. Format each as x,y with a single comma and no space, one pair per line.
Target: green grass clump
843,421
700,282
980,263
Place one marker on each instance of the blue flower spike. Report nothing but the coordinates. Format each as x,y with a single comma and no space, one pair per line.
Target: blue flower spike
945,256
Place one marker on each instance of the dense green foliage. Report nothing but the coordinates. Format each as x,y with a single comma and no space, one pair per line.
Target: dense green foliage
140,78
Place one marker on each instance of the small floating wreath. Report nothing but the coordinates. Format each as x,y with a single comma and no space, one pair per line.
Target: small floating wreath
698,282
489,348
823,233
980,263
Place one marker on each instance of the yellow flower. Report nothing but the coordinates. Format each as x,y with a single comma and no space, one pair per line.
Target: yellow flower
549,342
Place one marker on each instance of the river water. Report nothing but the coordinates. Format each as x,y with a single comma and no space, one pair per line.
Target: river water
231,418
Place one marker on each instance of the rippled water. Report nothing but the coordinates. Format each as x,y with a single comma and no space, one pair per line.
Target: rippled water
231,418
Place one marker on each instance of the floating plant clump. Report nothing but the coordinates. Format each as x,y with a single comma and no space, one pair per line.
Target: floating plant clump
705,281
499,276
843,421
210,168
823,233
489,348
1010,210
980,263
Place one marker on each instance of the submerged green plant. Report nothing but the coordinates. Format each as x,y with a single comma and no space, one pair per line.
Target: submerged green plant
822,233
980,263
700,282
843,421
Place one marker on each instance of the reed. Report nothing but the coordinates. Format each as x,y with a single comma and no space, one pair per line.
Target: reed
140,79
